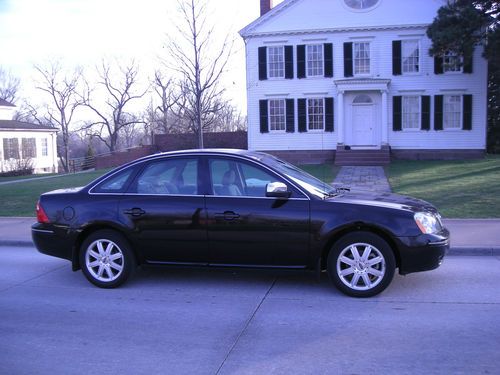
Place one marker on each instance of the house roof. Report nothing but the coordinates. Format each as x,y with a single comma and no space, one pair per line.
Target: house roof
5,103
19,125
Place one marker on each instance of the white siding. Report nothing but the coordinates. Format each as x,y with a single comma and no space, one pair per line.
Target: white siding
296,18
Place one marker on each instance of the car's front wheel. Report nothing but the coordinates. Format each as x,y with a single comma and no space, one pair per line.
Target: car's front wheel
361,264
106,259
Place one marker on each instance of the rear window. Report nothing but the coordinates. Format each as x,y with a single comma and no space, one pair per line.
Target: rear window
116,183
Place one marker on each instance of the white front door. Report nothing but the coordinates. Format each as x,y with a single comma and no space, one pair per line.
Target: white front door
362,125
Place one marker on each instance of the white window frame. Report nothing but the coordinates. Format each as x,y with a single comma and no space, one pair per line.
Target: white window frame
406,116
45,146
403,57
281,117
457,65
321,66
309,123
460,113
277,73
355,59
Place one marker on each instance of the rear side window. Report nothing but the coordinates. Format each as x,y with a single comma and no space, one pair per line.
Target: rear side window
175,176
116,183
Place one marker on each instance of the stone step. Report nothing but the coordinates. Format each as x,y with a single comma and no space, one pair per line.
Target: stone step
362,157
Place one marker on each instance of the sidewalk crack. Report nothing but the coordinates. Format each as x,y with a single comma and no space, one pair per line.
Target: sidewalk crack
246,326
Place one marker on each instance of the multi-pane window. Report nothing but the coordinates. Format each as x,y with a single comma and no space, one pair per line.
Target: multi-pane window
276,62
277,119
28,147
451,62
10,148
45,147
314,57
361,58
452,111
410,56
411,112
315,114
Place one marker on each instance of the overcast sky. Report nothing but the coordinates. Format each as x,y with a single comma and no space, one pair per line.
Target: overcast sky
81,32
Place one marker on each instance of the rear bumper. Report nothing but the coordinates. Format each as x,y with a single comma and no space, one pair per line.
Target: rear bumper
424,252
52,241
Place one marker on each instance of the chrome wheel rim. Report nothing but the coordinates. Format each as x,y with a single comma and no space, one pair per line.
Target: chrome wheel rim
361,266
104,260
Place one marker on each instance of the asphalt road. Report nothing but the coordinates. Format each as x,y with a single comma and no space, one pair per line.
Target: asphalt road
185,321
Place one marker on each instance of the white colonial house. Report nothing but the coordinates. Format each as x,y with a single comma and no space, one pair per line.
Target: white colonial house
23,144
327,78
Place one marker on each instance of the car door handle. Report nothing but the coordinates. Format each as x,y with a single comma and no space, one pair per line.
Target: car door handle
227,215
134,211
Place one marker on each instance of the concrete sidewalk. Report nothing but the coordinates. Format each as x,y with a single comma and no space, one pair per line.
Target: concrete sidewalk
468,236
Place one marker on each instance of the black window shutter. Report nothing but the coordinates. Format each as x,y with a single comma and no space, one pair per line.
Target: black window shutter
396,57
302,115
264,127
290,116
467,112
329,114
438,112
426,112
348,59
397,113
438,65
262,63
328,55
468,64
288,62
301,61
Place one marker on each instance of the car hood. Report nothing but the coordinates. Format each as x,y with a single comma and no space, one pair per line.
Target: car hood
386,200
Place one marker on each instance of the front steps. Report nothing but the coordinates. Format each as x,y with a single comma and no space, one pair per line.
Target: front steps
347,156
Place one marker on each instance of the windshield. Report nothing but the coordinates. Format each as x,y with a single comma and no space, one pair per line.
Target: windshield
302,178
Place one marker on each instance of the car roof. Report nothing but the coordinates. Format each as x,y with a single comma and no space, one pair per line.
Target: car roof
209,151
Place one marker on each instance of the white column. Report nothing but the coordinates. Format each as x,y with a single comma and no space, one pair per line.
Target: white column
385,125
340,117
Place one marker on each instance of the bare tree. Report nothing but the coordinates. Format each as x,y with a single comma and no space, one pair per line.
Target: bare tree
113,115
9,85
199,62
61,87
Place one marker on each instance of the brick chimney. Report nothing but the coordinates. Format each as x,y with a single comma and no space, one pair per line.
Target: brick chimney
265,6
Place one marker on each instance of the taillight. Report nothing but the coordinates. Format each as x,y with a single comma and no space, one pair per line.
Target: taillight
41,216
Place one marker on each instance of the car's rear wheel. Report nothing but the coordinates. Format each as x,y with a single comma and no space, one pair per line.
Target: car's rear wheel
361,264
106,259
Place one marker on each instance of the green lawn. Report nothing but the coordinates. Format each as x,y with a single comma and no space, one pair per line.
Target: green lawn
459,189
15,178
19,199
324,172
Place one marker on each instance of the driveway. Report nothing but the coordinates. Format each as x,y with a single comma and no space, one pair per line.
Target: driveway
188,321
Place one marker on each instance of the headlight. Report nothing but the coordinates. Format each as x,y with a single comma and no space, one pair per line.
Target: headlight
426,222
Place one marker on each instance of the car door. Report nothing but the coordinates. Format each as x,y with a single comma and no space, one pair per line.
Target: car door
166,213
247,228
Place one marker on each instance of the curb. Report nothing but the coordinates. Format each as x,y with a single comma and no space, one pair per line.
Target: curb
454,251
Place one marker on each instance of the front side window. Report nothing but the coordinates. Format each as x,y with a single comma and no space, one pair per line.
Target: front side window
276,62
11,148
277,119
361,58
451,62
411,112
233,178
28,147
175,176
314,58
316,114
410,56
452,112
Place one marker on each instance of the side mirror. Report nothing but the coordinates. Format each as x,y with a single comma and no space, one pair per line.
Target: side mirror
277,190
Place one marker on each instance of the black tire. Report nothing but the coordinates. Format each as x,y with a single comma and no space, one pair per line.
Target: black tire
108,254
365,275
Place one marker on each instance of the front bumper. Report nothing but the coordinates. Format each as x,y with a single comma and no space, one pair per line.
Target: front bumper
424,252
52,241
